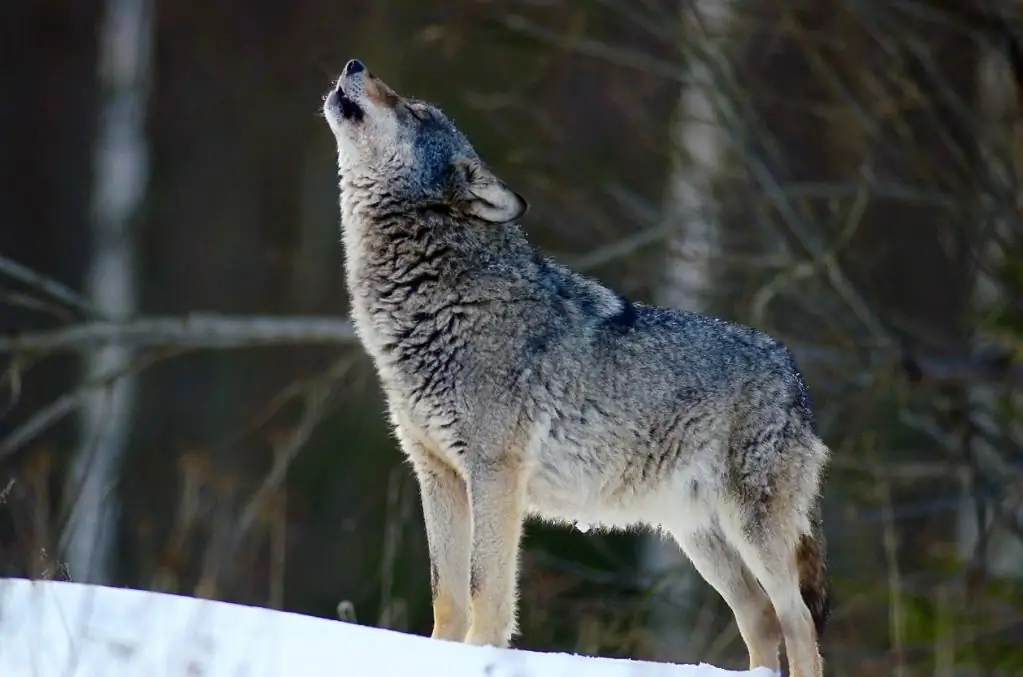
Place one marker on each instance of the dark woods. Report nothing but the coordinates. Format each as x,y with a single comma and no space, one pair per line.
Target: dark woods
844,175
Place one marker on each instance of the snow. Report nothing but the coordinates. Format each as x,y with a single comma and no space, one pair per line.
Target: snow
50,628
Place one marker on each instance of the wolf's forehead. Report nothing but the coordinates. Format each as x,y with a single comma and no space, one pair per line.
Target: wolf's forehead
431,154
437,138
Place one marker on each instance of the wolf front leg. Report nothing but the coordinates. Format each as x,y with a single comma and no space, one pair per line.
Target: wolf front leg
497,500
446,513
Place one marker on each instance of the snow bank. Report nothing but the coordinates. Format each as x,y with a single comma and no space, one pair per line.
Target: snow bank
50,628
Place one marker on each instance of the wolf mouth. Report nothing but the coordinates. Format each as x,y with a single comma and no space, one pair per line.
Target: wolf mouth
349,109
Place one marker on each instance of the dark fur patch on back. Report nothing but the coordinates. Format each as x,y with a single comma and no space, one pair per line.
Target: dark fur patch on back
625,318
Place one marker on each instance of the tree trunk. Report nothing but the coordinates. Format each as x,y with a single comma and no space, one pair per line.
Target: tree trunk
682,615
121,173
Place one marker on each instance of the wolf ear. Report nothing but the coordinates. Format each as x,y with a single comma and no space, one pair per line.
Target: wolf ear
485,196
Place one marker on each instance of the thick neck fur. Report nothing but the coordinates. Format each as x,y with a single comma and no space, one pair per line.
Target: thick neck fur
405,261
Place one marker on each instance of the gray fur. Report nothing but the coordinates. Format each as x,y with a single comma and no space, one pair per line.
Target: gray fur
519,387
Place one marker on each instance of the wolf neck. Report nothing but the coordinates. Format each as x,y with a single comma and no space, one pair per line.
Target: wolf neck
382,232
379,245
406,264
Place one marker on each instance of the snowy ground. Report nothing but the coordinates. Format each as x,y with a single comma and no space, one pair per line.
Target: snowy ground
49,629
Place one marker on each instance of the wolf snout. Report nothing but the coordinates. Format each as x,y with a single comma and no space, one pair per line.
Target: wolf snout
353,67
347,96
352,79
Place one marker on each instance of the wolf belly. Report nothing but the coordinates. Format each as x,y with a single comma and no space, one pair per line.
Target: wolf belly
601,486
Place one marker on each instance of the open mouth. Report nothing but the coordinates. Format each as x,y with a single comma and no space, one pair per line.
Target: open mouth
349,109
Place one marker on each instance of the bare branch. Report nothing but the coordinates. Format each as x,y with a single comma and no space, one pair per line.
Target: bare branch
34,303
193,331
47,285
42,420
618,56
917,367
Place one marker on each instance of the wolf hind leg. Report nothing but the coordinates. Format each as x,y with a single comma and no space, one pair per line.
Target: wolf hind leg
722,567
769,546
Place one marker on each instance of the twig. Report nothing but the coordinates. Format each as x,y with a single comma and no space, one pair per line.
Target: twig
889,540
49,415
34,303
315,406
42,420
920,368
618,56
392,540
292,391
654,232
808,269
985,484
944,634
47,285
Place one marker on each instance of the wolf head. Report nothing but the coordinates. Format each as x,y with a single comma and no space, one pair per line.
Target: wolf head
410,151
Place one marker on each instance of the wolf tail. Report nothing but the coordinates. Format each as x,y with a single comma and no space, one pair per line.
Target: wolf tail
811,560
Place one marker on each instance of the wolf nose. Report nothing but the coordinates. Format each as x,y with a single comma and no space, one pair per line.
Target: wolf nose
353,67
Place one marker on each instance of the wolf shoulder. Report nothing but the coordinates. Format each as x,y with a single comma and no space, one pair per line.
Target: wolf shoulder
609,326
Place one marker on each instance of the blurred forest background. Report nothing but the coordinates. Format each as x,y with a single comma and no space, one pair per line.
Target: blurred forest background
184,407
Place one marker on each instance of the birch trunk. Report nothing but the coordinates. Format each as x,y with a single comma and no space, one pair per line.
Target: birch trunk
120,175
680,619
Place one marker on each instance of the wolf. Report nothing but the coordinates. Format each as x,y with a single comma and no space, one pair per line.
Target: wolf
519,388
